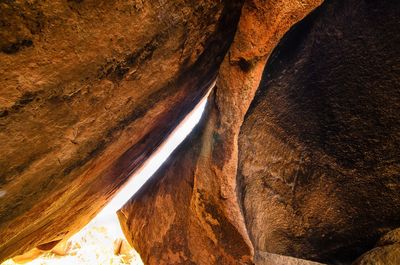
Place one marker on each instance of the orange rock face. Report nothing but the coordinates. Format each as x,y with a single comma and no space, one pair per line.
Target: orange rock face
88,89
203,223
297,153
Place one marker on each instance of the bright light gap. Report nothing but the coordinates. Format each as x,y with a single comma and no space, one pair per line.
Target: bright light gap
154,162
95,243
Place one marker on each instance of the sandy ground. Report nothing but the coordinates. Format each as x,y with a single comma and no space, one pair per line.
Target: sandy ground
101,242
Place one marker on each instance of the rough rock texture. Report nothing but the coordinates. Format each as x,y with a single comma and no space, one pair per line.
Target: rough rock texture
87,90
265,258
386,252
211,202
319,150
170,231
391,237
385,255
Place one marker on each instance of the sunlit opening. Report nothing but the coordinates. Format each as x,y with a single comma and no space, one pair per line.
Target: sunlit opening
102,241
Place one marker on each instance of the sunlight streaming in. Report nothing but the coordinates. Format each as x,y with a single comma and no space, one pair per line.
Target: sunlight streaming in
102,240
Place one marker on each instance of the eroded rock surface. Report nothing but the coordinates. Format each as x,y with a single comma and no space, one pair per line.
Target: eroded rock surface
203,199
88,89
265,258
386,251
385,255
171,232
319,152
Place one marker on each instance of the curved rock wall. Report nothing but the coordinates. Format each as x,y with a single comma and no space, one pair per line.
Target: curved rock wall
88,89
171,231
319,148
215,229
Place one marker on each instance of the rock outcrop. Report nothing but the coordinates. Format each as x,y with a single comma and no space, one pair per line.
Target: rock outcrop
88,89
199,187
319,150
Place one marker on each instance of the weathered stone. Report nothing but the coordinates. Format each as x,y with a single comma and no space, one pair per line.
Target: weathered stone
387,251
265,258
197,218
319,150
171,232
386,255
88,89
391,237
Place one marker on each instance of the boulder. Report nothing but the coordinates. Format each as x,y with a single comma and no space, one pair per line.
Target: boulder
385,255
386,252
88,89
319,150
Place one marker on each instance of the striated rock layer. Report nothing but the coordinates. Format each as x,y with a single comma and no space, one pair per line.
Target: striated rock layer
319,150
196,218
88,89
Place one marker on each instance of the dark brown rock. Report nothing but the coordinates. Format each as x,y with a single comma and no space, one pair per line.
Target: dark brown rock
319,152
386,255
203,223
386,252
389,238
88,89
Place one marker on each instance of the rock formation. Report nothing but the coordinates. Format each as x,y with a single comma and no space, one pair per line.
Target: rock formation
319,150
88,90
208,197
386,251
266,258
306,167
171,232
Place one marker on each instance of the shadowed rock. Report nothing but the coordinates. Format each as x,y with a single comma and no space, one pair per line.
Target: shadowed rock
319,149
386,251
